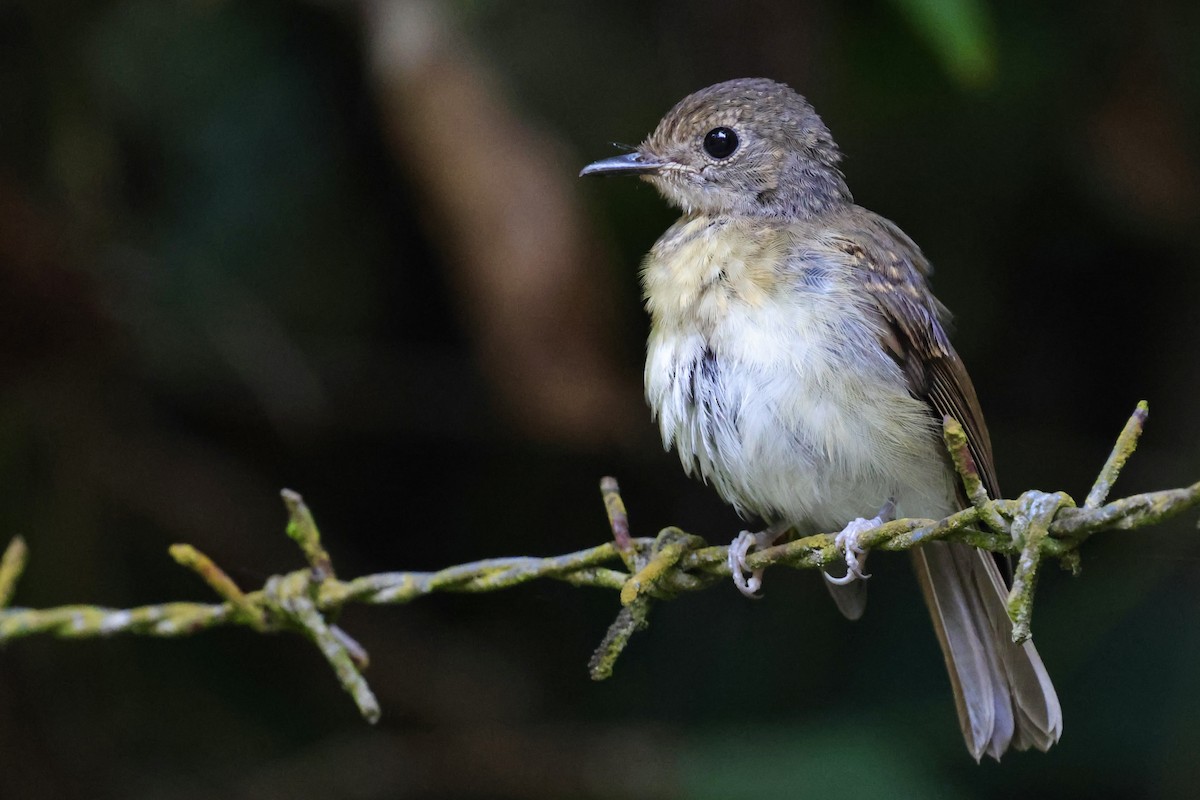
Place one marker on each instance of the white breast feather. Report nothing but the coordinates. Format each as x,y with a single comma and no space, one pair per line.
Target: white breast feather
788,407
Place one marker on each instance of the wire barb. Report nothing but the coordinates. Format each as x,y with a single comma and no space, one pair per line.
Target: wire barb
187,556
1122,450
12,565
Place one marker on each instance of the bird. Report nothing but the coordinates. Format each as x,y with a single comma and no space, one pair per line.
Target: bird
799,362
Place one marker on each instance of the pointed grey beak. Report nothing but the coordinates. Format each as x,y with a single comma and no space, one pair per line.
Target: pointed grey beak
625,164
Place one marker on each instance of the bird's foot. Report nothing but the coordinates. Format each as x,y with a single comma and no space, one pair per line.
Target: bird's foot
854,553
740,548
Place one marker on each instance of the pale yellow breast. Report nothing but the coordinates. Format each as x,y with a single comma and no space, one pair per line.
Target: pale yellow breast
701,267
765,372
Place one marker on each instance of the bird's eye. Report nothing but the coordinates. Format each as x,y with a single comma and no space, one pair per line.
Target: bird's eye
720,142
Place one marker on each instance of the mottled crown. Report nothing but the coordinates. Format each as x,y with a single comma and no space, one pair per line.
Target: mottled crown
783,161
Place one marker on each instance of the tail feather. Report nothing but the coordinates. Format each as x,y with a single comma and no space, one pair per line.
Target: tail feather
851,598
1002,691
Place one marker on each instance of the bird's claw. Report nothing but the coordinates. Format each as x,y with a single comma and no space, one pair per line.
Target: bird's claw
847,543
739,548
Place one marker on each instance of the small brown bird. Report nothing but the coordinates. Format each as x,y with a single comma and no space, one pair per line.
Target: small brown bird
798,361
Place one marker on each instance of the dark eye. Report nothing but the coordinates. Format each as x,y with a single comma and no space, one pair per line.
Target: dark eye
720,142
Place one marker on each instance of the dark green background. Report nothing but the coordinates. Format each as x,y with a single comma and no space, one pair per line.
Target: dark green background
223,271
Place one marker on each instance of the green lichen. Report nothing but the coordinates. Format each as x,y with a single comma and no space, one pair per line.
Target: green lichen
1034,527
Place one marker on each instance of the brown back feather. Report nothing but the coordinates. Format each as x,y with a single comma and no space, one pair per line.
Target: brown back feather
896,274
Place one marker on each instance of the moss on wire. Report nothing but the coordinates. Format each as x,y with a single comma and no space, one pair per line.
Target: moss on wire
1034,527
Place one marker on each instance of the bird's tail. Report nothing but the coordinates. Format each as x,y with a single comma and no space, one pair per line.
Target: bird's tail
1003,694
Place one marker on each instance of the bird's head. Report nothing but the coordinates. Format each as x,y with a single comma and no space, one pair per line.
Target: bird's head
747,147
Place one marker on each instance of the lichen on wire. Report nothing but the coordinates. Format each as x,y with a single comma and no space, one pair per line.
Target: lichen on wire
1032,528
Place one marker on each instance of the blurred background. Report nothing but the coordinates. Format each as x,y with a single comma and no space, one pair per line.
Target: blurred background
340,247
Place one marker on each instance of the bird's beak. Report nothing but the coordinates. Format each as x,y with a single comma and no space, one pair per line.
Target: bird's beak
634,163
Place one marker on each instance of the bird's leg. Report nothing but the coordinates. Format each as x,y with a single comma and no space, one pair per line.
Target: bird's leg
741,547
854,553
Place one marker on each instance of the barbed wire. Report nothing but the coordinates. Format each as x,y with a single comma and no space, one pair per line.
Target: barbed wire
1033,528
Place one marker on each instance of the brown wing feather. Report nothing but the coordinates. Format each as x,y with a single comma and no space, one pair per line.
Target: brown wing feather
1001,690
895,272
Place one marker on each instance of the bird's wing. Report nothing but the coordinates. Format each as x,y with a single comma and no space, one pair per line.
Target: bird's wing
895,272
1001,689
